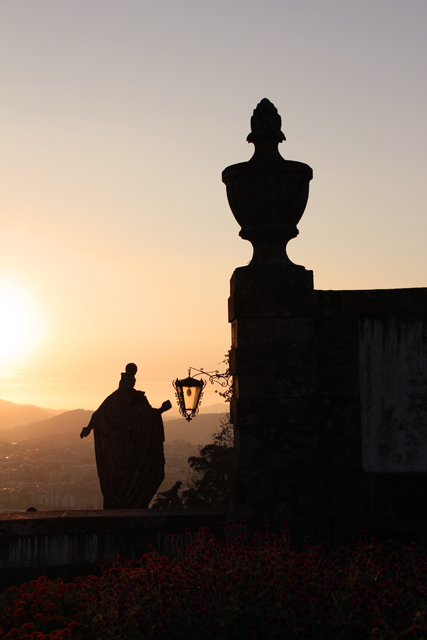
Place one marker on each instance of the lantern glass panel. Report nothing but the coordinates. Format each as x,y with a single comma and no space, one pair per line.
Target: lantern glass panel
191,397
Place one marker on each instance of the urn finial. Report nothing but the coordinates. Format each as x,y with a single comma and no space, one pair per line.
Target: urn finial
266,123
268,194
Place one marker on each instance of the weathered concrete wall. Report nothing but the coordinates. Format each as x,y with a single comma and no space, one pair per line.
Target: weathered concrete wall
393,394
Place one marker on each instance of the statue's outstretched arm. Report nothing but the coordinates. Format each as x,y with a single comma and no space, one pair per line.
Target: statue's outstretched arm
86,430
165,406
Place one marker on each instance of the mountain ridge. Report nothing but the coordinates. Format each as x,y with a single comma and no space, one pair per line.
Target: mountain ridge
12,414
68,424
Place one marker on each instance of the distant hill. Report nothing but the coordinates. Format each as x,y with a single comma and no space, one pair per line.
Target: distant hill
197,431
67,427
12,414
67,422
219,407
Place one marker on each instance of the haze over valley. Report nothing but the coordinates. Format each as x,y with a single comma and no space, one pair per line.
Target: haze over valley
44,463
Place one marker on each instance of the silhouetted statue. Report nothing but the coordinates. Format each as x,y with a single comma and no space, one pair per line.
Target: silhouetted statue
129,439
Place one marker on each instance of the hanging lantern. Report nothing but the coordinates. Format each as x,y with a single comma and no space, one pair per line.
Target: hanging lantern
189,392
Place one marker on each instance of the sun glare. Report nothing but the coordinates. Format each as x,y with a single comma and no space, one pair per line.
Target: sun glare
19,323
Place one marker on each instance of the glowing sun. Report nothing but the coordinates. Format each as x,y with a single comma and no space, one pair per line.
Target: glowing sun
19,322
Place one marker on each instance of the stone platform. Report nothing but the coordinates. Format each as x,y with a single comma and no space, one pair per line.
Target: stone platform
69,543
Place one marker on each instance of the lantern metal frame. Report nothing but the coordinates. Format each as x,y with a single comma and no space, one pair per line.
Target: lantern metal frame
213,376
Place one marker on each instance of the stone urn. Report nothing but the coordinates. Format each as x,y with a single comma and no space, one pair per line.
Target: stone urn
268,194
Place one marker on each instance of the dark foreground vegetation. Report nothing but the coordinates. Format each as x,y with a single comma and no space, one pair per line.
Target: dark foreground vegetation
207,482
239,588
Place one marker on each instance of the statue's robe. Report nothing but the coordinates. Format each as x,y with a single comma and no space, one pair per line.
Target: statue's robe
129,439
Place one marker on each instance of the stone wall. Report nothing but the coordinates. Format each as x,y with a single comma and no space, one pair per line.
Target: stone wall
70,543
330,407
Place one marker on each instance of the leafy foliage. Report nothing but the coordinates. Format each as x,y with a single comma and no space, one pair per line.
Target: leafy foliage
170,499
228,393
209,475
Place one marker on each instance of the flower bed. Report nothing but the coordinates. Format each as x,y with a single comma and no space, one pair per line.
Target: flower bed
235,589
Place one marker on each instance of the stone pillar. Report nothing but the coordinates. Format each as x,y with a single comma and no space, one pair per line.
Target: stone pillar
272,359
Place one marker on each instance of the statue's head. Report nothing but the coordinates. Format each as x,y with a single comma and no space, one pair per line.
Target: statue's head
131,368
127,380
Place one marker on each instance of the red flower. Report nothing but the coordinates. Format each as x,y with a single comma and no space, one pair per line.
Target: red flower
63,633
27,627
26,596
18,603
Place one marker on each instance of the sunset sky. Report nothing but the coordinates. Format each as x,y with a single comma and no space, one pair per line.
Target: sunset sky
117,117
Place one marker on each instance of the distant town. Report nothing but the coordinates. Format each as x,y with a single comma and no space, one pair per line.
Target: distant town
50,476
56,470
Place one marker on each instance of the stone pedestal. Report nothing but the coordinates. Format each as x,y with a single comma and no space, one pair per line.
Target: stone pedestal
271,309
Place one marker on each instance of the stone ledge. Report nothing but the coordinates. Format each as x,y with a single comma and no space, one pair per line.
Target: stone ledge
135,521
46,541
